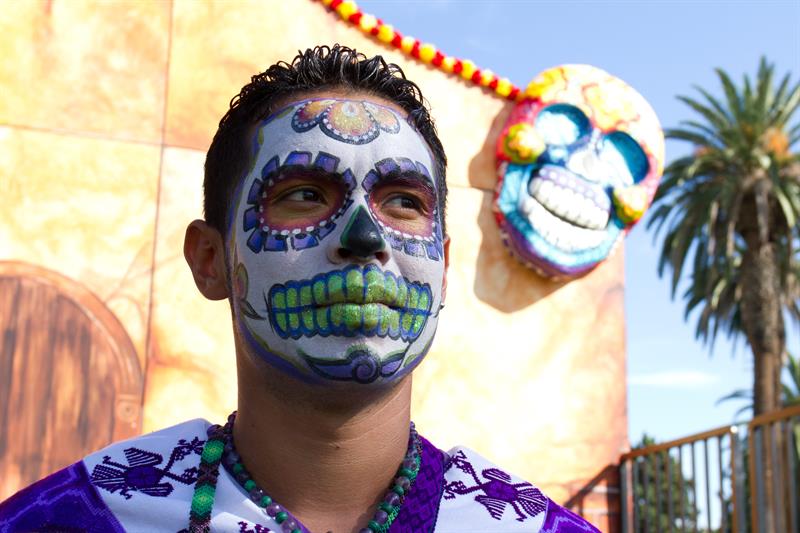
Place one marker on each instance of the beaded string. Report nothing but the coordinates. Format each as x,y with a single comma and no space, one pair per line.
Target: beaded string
220,449
206,486
349,11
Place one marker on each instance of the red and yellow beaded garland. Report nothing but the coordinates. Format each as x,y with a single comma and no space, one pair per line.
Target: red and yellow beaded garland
425,52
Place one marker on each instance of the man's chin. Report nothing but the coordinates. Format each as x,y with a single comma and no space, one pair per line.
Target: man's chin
363,361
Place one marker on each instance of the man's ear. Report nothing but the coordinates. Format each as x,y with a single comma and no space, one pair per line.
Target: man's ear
446,246
204,251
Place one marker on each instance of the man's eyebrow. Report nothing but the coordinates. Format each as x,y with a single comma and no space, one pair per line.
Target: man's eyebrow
306,163
287,172
410,177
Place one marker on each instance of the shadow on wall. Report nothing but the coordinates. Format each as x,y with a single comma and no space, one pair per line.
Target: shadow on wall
500,280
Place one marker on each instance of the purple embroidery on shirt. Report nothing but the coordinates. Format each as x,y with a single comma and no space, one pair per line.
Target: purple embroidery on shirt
497,491
560,520
421,507
63,501
143,472
244,527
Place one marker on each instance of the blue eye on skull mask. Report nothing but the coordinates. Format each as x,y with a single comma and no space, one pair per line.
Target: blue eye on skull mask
569,188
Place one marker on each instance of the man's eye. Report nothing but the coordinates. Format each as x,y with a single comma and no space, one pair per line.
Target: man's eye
402,202
303,195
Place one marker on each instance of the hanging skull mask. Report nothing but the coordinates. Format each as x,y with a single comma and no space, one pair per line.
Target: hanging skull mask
579,161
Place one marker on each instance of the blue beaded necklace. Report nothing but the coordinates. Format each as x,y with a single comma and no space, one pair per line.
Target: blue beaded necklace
220,449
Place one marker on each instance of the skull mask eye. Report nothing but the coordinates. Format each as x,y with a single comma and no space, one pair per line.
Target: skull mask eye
629,162
562,124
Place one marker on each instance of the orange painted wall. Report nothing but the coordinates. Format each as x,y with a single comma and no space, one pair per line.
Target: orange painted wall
106,113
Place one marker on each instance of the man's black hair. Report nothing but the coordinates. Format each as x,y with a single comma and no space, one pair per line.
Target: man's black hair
322,67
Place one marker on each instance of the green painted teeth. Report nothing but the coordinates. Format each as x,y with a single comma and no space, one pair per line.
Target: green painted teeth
335,289
372,316
354,286
374,282
319,290
305,296
354,301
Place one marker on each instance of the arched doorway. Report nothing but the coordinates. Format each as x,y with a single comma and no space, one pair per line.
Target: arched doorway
70,380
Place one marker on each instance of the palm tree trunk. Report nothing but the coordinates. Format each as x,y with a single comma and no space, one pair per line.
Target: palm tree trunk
762,322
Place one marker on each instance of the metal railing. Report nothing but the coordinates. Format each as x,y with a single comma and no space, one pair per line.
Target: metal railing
775,441
739,478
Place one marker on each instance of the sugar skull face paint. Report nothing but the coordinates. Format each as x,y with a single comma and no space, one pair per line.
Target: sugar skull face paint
336,243
578,164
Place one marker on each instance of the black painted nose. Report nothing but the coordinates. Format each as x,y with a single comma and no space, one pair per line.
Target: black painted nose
361,236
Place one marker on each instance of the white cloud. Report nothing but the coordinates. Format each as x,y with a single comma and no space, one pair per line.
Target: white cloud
678,379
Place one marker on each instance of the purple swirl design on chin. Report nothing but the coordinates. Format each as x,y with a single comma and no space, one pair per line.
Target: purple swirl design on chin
360,365
366,367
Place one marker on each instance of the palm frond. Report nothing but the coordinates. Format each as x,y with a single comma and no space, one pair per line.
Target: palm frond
739,394
724,114
784,110
779,93
697,138
764,91
787,208
721,123
731,94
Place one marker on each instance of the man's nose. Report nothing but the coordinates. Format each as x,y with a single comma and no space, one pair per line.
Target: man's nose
361,239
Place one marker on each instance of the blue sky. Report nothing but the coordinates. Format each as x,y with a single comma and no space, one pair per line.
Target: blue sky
661,48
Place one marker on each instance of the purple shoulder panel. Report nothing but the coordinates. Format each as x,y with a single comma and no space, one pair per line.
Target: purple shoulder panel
421,506
560,520
63,501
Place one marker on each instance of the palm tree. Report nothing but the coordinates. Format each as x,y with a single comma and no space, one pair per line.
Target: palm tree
790,388
734,205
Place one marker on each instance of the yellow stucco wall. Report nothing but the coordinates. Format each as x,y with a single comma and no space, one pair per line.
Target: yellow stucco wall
106,112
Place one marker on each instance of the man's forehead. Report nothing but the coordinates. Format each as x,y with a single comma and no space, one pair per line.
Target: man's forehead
295,99
285,107
357,129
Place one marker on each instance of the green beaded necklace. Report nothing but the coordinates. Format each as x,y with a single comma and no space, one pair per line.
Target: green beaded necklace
219,447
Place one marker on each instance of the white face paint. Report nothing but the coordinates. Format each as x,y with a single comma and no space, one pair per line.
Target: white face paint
337,245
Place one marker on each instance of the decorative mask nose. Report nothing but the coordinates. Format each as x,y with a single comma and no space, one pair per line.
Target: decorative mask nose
361,236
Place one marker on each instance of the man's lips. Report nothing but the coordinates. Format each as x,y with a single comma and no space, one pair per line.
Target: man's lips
350,302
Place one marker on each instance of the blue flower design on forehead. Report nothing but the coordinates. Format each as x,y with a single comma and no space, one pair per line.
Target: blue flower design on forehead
348,121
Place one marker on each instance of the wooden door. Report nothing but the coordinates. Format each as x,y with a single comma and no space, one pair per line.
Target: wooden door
70,380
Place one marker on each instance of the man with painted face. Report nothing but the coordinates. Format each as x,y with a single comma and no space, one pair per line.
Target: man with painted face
324,228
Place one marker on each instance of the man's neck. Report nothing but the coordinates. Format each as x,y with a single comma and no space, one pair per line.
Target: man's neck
327,456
